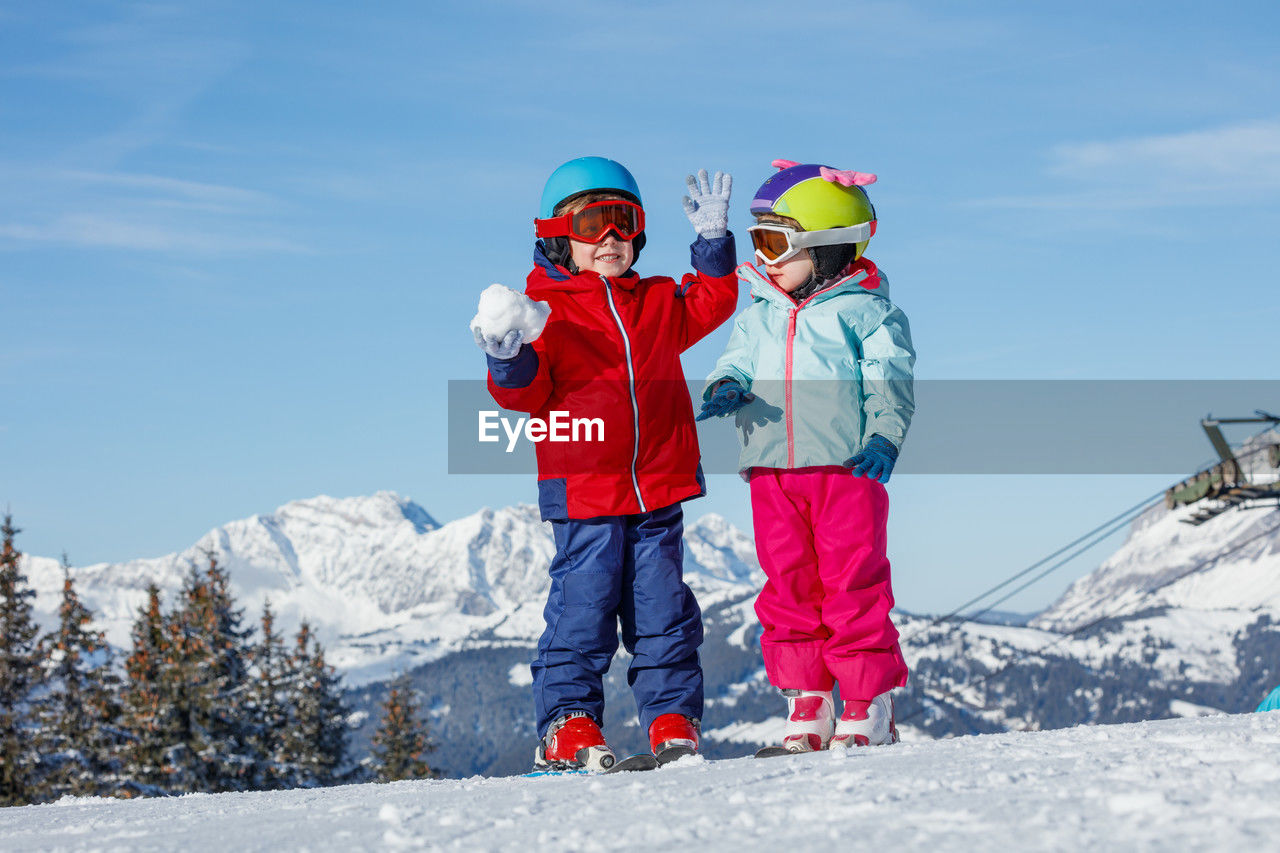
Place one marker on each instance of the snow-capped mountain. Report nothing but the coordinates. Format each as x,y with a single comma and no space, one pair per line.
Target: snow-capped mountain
385,585
1229,563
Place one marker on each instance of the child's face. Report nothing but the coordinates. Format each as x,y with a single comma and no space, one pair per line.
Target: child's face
610,257
792,272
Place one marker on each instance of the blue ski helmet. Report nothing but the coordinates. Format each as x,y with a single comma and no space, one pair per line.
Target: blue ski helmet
586,174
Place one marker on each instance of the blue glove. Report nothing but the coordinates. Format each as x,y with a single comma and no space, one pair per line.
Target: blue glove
875,461
505,348
728,397
707,204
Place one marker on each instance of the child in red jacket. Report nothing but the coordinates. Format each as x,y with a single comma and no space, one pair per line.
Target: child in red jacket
610,351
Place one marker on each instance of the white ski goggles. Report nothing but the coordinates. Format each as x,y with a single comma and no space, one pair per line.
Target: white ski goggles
776,243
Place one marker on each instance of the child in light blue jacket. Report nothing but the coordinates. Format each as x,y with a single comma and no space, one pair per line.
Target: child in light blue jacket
818,373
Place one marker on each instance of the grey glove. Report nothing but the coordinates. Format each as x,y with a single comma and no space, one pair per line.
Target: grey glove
707,204
504,348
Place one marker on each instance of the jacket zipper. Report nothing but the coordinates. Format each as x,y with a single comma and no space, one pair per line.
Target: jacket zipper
631,383
786,382
786,385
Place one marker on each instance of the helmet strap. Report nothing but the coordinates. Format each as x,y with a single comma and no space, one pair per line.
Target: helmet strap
829,264
810,287
558,251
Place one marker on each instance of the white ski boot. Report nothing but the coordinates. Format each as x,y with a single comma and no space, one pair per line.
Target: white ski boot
864,724
811,717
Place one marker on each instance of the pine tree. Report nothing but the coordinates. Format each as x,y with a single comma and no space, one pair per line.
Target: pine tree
208,680
401,738
230,730
316,740
20,674
267,709
149,713
230,640
80,741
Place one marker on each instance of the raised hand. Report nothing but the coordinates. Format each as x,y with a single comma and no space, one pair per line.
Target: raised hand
707,204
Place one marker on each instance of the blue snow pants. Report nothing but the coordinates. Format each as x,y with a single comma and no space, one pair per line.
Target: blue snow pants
613,569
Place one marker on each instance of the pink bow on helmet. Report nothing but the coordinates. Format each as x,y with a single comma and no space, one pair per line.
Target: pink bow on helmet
843,177
846,177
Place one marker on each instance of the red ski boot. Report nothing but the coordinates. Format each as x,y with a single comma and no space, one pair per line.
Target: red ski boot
673,736
574,742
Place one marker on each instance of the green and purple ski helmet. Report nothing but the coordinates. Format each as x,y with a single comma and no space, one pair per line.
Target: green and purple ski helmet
818,197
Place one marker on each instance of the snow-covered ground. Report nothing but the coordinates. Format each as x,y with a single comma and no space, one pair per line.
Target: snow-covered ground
1194,784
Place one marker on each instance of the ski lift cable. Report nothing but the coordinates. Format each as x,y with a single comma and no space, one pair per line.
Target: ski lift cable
1146,593
1122,518
1119,521
1115,528
1082,628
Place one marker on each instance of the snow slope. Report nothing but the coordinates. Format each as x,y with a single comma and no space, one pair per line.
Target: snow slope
1208,783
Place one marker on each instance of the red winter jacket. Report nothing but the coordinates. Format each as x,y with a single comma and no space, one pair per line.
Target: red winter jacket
611,350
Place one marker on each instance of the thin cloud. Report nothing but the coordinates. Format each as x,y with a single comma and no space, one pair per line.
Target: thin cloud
1228,165
104,232
139,211
173,191
1242,152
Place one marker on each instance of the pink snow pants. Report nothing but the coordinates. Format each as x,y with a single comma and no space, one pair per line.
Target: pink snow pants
820,535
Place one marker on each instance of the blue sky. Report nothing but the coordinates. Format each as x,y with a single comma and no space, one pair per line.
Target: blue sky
240,243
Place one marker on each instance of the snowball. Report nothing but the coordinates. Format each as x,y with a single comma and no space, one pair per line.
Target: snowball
503,310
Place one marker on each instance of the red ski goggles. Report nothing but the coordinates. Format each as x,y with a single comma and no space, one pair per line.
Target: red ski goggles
593,222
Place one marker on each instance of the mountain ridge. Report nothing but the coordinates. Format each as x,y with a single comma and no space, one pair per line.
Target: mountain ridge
379,568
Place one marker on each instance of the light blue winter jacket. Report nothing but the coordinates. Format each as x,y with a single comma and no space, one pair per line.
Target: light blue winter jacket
827,374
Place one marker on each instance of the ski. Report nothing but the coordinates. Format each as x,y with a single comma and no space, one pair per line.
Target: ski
632,763
674,753
551,772
773,752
